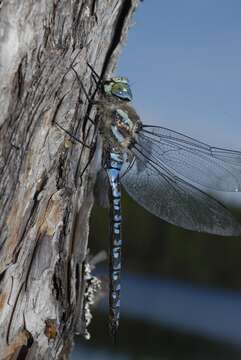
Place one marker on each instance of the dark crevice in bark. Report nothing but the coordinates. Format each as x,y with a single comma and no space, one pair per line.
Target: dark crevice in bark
2,275
56,286
80,323
61,163
31,219
78,9
69,277
12,314
40,188
77,13
57,280
18,82
77,278
22,355
126,7
11,289
58,107
31,262
92,11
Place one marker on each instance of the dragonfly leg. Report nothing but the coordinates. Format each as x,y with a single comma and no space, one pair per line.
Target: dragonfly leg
96,77
73,136
89,98
91,155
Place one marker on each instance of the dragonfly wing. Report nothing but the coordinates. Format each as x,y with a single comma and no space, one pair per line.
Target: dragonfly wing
174,200
216,168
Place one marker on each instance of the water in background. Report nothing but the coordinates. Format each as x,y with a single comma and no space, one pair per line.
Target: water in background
172,308
169,321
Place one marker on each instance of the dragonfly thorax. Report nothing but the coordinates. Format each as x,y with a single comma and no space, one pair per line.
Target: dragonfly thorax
119,125
123,129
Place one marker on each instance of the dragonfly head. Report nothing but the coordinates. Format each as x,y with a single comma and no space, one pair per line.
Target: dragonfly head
118,87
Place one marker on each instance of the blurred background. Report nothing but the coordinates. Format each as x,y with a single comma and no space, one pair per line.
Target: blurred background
181,294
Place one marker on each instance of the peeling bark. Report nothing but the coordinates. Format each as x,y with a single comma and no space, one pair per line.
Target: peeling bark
45,196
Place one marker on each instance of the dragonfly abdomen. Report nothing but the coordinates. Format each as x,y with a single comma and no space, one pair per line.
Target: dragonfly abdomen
113,166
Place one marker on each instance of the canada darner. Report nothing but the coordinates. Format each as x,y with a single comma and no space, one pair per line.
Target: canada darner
156,166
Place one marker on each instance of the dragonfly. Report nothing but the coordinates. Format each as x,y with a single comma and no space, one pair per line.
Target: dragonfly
161,170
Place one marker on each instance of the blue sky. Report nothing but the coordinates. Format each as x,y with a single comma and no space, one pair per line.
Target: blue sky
184,60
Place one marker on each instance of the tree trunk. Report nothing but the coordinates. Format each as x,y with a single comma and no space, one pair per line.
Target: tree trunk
45,194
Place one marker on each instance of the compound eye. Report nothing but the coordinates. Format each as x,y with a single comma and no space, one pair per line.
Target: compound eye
122,91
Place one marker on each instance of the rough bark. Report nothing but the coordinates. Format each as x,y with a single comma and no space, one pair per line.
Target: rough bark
45,199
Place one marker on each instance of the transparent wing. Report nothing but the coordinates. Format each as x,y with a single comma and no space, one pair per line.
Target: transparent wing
216,168
176,201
